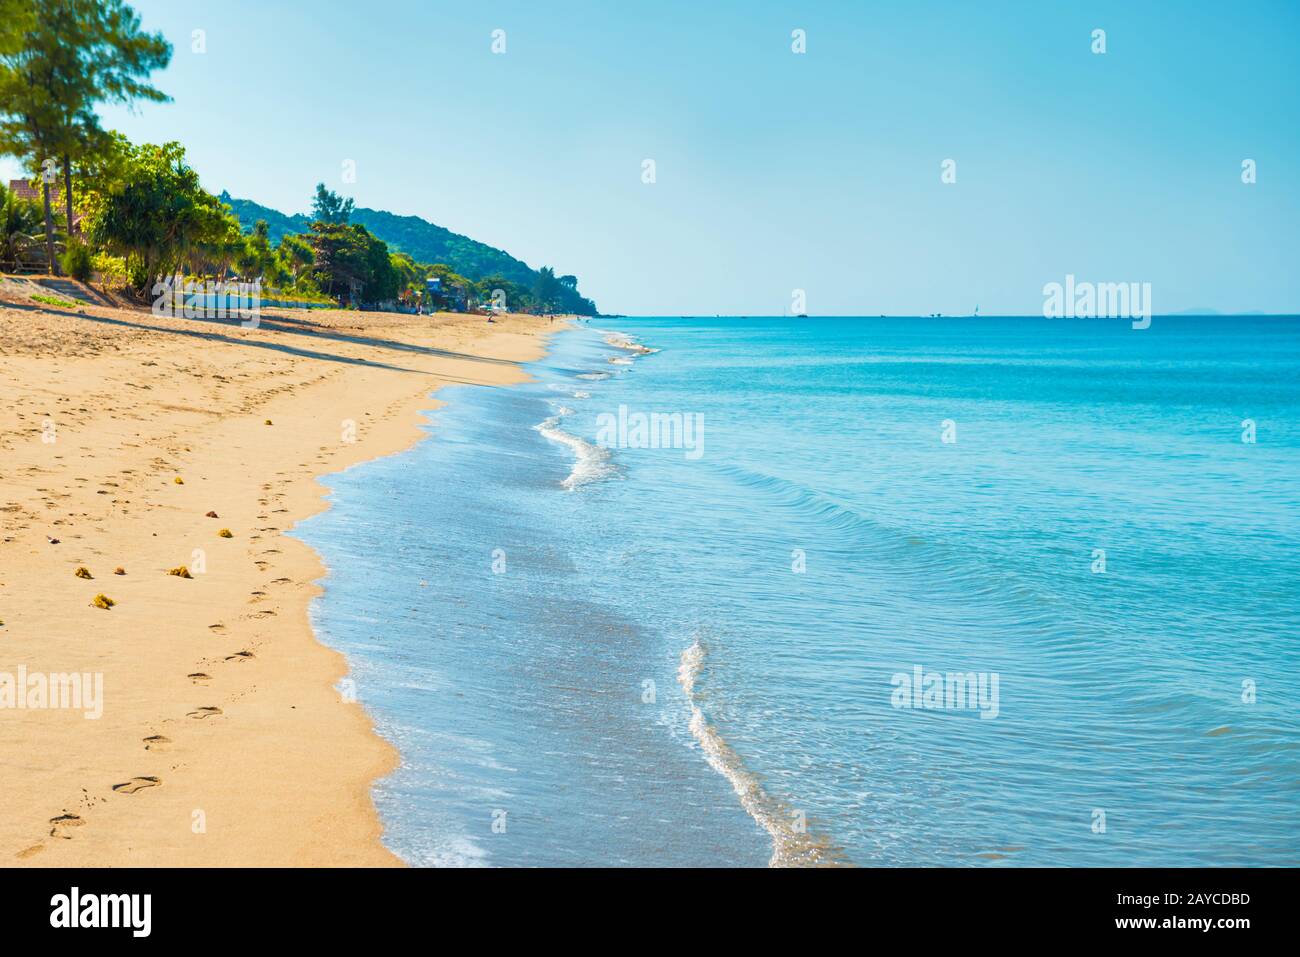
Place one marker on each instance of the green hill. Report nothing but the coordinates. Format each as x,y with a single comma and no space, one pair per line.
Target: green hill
421,240
249,212
424,242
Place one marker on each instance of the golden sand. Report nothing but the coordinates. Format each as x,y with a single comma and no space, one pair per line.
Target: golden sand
222,740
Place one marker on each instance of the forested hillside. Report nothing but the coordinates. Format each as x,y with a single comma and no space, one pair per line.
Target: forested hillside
421,240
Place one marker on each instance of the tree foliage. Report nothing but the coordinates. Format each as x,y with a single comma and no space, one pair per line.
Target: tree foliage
68,57
159,217
330,207
16,17
20,227
351,264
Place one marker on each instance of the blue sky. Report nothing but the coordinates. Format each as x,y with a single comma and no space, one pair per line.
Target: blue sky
776,171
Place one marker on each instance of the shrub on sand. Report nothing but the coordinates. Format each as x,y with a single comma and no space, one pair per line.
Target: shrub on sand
103,601
180,571
83,572
78,261
225,533
111,269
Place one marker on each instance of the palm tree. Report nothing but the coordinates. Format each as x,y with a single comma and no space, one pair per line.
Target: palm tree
20,226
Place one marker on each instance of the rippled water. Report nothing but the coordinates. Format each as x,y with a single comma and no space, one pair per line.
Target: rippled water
693,656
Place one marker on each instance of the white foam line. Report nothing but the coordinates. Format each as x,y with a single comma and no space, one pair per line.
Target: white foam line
592,461
790,846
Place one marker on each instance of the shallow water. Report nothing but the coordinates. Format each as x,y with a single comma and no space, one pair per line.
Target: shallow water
691,655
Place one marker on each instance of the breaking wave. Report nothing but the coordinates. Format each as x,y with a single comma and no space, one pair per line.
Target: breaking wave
792,846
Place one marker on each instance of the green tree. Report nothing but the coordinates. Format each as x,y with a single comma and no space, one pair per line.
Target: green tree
72,56
409,275
296,254
217,250
518,297
256,258
113,58
341,258
350,262
158,217
382,280
547,289
16,17
330,207
30,115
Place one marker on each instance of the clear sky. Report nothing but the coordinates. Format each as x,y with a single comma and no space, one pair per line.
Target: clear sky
776,171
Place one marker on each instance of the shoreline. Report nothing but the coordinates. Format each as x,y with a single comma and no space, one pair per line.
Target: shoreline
223,740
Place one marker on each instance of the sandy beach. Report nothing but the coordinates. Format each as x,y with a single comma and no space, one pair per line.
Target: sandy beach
223,739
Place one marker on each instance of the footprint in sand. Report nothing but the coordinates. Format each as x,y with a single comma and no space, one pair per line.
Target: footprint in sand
216,628
206,712
240,656
136,784
156,742
199,677
62,825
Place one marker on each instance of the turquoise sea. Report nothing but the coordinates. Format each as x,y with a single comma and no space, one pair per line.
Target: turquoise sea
955,592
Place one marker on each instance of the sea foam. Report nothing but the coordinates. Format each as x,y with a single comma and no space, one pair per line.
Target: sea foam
592,462
792,846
